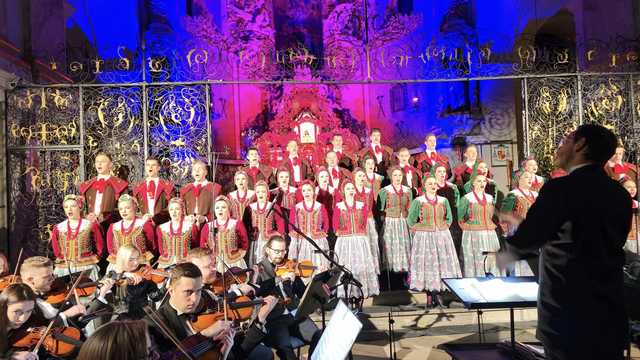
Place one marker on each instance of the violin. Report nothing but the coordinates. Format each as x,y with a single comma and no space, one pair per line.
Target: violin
155,275
234,275
8,280
59,289
58,293
239,310
59,342
304,268
192,347
198,347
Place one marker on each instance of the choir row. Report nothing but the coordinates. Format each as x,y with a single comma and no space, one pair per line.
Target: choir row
404,218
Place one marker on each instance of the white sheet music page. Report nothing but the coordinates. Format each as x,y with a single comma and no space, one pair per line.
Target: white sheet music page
496,290
339,336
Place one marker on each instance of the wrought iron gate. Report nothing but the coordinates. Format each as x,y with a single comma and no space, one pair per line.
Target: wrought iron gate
54,132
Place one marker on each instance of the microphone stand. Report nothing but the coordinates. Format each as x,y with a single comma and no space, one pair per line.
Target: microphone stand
347,277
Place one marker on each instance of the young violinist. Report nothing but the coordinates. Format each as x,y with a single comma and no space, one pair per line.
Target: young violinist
122,340
176,237
227,237
153,193
131,290
37,273
76,242
17,304
131,230
206,261
281,325
185,303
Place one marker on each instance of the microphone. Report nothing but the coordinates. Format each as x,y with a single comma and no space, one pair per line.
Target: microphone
348,277
485,253
273,202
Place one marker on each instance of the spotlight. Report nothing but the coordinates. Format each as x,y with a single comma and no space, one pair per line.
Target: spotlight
415,99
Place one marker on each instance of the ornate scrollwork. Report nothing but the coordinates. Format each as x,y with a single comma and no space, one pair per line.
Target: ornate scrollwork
178,127
552,113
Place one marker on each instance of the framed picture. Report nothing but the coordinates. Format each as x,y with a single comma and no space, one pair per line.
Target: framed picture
501,153
307,132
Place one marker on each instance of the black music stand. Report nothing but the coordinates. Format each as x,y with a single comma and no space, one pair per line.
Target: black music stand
315,296
495,293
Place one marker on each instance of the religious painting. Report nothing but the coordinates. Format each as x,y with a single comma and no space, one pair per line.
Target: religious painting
307,133
501,153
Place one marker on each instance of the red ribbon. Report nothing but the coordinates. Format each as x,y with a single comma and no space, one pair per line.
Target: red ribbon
151,189
99,185
253,172
196,190
620,168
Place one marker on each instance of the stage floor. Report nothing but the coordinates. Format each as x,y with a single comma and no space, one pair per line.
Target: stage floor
418,333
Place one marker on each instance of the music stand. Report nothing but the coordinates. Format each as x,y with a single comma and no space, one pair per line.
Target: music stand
315,295
496,293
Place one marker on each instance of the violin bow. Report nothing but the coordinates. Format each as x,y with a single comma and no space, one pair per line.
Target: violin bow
166,331
15,270
50,326
224,287
229,269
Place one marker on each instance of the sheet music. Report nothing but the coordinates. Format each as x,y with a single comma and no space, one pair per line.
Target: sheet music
339,336
496,290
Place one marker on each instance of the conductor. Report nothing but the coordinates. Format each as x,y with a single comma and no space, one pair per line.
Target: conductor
579,223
